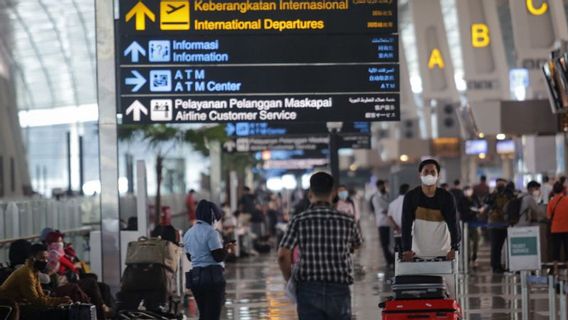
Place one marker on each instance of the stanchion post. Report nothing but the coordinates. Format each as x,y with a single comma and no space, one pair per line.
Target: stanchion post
563,302
551,298
524,296
465,248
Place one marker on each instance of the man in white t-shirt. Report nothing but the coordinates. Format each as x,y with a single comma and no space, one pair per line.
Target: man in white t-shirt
545,189
380,201
395,216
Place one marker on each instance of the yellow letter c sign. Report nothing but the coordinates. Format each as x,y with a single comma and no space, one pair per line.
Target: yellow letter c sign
537,11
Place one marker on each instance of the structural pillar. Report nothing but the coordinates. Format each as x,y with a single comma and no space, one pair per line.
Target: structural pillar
108,149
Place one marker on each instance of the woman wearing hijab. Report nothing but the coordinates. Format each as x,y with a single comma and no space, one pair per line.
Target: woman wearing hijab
206,251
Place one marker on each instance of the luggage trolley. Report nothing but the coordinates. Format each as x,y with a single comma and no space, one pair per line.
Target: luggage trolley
430,266
420,290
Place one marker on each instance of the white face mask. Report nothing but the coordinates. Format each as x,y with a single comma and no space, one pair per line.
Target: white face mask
429,180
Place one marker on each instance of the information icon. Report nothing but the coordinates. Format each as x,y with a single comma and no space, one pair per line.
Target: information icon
160,80
160,51
161,110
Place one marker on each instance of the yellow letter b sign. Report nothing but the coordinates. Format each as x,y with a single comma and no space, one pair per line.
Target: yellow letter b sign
480,35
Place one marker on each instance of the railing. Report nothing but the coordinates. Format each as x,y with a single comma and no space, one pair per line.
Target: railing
83,231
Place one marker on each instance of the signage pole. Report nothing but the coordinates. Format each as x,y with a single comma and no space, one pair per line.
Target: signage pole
142,198
334,155
334,129
215,171
108,149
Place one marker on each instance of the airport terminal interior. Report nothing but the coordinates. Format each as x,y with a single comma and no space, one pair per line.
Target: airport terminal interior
284,159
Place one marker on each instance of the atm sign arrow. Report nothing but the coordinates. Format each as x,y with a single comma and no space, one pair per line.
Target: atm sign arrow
140,11
230,129
137,81
136,108
134,50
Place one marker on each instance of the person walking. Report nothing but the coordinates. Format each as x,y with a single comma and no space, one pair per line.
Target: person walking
546,189
429,218
557,214
206,253
469,210
380,201
530,212
497,225
326,239
346,204
481,190
190,204
395,216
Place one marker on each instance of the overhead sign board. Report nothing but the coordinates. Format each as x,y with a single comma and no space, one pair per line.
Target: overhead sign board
196,61
292,142
251,129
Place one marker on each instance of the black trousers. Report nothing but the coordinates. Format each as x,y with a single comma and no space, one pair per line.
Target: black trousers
384,236
559,240
497,236
208,288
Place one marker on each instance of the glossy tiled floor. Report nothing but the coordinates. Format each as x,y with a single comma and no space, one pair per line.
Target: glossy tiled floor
255,289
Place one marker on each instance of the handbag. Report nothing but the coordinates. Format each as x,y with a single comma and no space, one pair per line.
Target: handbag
153,250
292,284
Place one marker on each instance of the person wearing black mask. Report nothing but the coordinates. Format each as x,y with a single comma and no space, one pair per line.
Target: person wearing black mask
207,253
23,286
497,224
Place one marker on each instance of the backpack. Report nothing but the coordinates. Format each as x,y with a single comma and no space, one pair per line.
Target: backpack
513,212
371,205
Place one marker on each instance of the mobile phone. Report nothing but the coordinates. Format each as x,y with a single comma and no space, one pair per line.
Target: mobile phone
230,242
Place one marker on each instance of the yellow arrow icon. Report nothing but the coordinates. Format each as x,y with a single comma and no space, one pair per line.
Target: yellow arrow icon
141,12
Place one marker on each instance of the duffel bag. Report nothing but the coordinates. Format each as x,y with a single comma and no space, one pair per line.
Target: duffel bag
153,251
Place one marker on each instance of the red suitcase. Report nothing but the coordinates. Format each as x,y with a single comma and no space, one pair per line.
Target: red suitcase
439,309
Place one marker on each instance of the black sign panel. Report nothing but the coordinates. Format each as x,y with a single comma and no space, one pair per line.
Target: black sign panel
197,61
259,49
314,142
222,109
255,129
259,16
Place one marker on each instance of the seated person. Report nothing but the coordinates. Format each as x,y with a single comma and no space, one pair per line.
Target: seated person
67,276
19,252
23,286
429,218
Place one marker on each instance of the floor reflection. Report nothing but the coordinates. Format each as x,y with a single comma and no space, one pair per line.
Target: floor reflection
255,290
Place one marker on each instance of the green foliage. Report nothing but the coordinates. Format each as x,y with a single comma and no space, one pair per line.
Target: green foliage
200,138
157,134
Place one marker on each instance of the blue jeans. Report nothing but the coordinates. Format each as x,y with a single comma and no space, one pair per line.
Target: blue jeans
323,301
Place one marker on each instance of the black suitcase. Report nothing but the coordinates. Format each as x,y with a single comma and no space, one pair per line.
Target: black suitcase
82,311
410,287
148,282
146,277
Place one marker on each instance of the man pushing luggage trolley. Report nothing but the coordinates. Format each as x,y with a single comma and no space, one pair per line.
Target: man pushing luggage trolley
430,241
